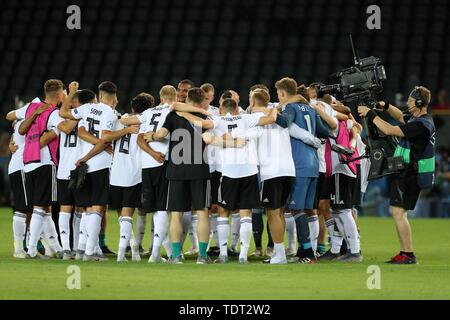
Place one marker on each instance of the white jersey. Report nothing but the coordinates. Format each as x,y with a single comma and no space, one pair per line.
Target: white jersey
214,154
214,111
16,162
321,151
152,120
46,159
97,117
275,153
126,169
69,153
238,162
365,164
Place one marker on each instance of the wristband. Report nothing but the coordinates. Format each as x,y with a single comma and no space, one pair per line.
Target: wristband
386,106
371,115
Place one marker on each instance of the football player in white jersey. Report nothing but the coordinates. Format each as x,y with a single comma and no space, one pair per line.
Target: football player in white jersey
21,202
21,205
41,174
209,90
70,151
239,188
277,172
101,121
213,156
126,178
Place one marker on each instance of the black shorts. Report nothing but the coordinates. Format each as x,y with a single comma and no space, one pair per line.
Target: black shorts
239,193
216,177
41,186
154,189
404,191
342,191
21,202
275,192
66,197
323,191
95,190
125,197
186,195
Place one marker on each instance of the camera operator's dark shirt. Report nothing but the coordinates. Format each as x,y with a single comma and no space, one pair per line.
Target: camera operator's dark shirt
418,135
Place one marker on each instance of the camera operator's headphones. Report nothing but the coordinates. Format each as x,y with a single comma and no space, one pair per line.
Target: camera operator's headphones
417,96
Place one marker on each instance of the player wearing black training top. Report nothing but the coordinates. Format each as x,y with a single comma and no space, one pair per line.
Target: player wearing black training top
188,175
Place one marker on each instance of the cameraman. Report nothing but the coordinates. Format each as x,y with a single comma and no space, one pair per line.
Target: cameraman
416,147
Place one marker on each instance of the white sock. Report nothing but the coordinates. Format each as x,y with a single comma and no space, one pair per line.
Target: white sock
235,228
93,226
223,233
245,234
64,230
98,250
82,236
76,229
36,222
133,244
167,246
193,232
50,230
19,226
46,243
279,253
27,240
126,229
291,230
337,235
330,227
350,230
213,231
313,224
161,220
152,230
140,226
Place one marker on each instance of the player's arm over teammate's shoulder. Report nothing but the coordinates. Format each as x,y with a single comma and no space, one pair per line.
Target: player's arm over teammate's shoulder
250,134
287,117
304,135
224,142
65,111
67,126
110,136
269,118
28,122
184,107
197,121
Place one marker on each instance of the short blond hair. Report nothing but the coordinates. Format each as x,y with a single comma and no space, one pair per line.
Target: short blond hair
52,86
261,97
288,85
207,87
168,93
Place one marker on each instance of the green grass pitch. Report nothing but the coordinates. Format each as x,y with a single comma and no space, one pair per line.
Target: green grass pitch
30,279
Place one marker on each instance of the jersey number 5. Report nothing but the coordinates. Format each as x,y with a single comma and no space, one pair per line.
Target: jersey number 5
155,121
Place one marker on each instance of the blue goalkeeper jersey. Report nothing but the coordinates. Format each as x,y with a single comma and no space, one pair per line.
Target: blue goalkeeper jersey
305,156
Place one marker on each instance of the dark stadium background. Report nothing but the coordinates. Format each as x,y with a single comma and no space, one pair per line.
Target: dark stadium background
142,45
